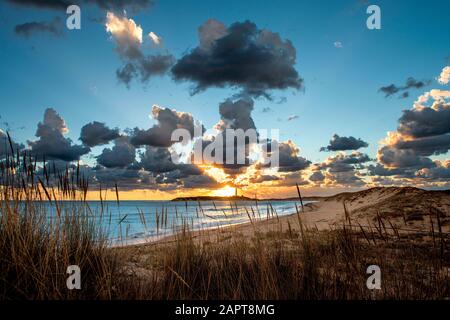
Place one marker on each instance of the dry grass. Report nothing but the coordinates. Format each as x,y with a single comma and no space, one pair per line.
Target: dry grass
297,263
290,265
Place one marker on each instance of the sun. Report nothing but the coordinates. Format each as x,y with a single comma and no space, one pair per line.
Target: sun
226,191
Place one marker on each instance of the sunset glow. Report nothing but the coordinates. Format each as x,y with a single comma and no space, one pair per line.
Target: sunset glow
226,191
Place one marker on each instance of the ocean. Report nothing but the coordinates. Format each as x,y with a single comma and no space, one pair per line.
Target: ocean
129,222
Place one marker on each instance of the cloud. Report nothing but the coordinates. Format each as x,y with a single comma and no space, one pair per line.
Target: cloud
160,134
203,181
5,147
51,143
116,5
342,162
423,131
126,33
380,170
146,67
29,29
337,44
338,143
121,5
240,56
263,178
129,38
411,83
43,4
289,159
441,172
392,157
341,169
236,114
425,122
97,133
157,159
317,176
155,38
427,146
119,156
444,77
126,178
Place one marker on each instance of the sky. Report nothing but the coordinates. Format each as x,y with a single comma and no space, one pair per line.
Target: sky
311,69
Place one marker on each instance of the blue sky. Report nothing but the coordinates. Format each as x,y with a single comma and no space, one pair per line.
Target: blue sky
75,73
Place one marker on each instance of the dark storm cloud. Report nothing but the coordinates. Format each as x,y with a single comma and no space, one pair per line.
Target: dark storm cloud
177,179
438,173
426,121
411,83
241,56
427,146
236,114
346,178
120,5
379,170
264,178
392,157
345,162
342,169
51,143
5,146
338,143
43,4
54,27
145,67
157,159
97,133
203,181
160,134
317,176
116,5
126,178
289,159
119,156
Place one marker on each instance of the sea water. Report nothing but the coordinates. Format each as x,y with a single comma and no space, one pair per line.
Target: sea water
128,222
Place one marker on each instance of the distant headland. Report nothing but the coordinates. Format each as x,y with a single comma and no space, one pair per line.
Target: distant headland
213,198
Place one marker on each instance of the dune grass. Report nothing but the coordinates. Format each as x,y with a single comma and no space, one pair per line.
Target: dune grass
296,263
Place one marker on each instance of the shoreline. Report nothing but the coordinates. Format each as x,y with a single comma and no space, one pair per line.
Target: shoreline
167,238
399,207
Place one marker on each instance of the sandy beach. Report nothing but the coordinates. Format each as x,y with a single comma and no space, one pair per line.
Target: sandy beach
405,209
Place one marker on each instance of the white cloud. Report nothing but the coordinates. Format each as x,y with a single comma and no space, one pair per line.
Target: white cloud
126,33
338,44
444,77
155,38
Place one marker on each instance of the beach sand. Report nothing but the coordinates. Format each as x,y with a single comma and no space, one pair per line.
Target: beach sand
405,209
